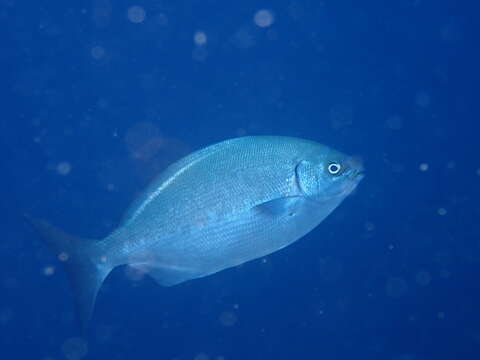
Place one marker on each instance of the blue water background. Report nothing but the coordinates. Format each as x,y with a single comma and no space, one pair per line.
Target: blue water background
99,96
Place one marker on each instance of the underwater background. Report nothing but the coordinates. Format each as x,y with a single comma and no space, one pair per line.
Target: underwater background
99,96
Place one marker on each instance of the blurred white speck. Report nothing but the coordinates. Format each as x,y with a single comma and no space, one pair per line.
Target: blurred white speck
48,270
236,306
478,172
219,357
228,318
441,315
98,52
451,165
264,260
395,122
110,187
422,99
391,247
201,356
442,211
396,287
64,168
63,256
423,167
75,348
369,226
423,278
200,38
263,18
136,14
6,315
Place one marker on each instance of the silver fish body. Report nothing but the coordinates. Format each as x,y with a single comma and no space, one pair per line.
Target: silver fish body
219,207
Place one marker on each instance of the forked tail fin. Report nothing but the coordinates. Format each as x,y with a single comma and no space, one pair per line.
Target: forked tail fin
87,267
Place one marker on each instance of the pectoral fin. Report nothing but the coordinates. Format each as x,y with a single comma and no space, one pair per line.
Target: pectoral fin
280,206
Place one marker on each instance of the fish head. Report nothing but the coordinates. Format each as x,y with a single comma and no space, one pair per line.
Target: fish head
328,175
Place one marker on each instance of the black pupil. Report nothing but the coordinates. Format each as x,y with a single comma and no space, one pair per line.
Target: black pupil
334,168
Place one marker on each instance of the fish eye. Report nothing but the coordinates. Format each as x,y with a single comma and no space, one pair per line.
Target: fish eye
334,168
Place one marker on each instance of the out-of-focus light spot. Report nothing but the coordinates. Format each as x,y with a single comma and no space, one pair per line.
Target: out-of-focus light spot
391,247
63,256
478,172
236,306
75,348
369,226
201,356
451,165
98,52
200,38
263,18
219,357
441,315
264,260
6,314
442,211
103,259
110,187
64,168
422,99
423,167
396,287
423,278
228,318
395,122
136,14
49,270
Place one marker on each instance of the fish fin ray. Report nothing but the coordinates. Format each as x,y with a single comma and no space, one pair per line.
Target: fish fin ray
277,207
83,262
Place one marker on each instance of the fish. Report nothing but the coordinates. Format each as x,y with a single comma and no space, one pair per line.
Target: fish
219,207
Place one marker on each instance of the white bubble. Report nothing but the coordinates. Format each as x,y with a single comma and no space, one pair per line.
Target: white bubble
263,18
442,211
369,226
48,270
200,38
201,356
478,172
75,348
228,318
64,168
422,99
423,167
441,315
396,287
63,256
423,278
98,52
136,14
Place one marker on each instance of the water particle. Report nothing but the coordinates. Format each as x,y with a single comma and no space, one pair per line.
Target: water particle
442,211
441,315
48,270
63,256
136,14
228,318
200,38
75,348
64,168
263,18
98,52
422,99
369,226
478,172
423,167
423,278
201,356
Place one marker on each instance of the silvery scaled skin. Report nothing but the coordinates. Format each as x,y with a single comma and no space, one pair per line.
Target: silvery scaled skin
219,207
